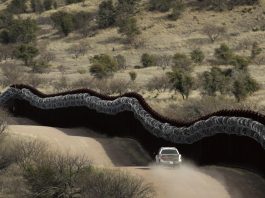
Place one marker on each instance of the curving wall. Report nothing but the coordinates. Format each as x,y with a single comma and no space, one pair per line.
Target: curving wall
234,137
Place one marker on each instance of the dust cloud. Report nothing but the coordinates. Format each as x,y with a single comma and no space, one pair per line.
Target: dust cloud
187,181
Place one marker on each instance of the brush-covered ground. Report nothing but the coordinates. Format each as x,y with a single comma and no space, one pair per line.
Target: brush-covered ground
159,35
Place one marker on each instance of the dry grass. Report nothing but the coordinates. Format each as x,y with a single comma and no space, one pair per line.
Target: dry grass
160,36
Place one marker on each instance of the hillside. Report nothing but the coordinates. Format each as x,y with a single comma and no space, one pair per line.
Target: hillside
158,36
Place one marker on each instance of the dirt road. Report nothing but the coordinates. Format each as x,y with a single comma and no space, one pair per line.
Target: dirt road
126,154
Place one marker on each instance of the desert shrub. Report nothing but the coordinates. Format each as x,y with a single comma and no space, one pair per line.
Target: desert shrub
26,53
39,66
6,52
10,177
34,80
177,9
255,51
68,22
106,14
47,56
223,54
128,27
161,5
81,19
116,86
240,62
195,108
182,61
67,2
83,82
216,81
133,76
125,9
113,183
148,60
78,50
197,56
37,5
243,86
110,86
213,31
63,21
20,30
121,61
163,61
181,81
48,4
158,83
12,74
17,6
55,175
61,84
225,4
6,19
103,65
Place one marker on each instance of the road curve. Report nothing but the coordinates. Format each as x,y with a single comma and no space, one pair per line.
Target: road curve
126,154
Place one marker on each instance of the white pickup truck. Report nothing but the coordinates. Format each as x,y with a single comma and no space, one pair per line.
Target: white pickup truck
168,156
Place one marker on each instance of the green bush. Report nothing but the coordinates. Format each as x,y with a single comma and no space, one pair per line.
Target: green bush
125,9
81,19
17,6
26,53
181,61
216,80
20,30
6,19
224,54
197,56
48,4
177,9
133,75
67,2
63,21
181,81
240,62
161,5
121,61
68,22
148,60
37,6
226,4
103,66
244,86
106,14
113,183
129,28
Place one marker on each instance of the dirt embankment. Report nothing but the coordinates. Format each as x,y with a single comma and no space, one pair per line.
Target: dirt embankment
126,154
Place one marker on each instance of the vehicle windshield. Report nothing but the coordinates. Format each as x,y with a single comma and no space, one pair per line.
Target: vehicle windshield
169,151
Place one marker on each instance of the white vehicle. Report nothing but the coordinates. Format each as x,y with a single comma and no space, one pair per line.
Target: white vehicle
168,156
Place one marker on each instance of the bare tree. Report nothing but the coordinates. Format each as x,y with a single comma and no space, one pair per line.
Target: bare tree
164,61
213,31
158,83
78,50
6,52
13,74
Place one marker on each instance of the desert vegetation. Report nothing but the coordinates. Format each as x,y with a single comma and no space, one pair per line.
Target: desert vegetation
37,171
152,47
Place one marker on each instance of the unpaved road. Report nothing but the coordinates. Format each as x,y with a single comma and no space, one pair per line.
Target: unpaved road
185,181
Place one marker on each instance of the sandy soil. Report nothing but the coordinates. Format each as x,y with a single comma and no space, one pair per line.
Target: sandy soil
100,150
185,181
